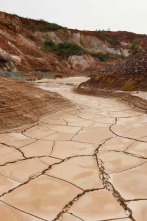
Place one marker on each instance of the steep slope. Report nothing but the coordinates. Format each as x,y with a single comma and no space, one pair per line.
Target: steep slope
17,50
22,47
118,43
127,75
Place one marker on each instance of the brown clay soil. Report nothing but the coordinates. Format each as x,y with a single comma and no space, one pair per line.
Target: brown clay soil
87,162
22,104
132,98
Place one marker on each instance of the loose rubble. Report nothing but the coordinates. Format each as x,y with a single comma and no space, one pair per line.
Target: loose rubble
128,75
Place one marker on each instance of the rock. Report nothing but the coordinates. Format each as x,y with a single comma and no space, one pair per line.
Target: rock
82,62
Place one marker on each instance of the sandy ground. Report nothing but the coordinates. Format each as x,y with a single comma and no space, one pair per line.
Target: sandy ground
88,162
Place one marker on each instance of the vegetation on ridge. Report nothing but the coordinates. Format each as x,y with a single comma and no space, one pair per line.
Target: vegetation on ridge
45,27
63,48
70,49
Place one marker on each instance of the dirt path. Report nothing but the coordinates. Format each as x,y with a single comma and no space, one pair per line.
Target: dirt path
84,163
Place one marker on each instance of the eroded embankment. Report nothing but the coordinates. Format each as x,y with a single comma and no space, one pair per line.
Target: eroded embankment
21,103
124,96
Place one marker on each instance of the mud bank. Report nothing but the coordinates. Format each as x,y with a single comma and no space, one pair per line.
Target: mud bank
22,104
133,98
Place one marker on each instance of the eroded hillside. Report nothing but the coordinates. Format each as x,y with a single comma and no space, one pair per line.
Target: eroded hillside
28,46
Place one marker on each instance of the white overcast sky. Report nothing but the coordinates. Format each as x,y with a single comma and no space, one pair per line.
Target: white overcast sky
128,15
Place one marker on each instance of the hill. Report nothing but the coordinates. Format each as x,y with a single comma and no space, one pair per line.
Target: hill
39,48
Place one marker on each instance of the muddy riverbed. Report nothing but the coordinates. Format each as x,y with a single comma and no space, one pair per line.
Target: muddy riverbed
88,162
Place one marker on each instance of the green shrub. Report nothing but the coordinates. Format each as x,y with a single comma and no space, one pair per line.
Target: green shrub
63,48
70,49
101,56
51,26
54,27
48,26
50,45
135,46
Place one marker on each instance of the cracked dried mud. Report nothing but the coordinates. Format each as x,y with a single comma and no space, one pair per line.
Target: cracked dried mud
87,162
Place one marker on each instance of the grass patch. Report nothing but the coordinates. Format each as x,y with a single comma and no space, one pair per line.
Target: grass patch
104,57
50,45
135,46
70,49
46,27
63,48
101,56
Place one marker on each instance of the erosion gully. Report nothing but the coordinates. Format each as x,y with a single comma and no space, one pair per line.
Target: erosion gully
87,162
